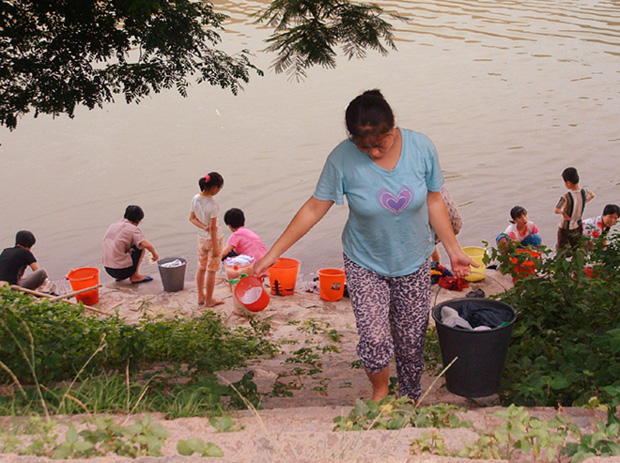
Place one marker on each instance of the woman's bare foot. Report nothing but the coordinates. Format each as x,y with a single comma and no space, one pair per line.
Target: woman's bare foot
213,302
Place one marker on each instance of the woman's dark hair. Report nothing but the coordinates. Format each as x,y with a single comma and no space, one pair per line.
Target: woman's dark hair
570,175
211,180
517,212
369,115
234,218
25,238
611,209
134,214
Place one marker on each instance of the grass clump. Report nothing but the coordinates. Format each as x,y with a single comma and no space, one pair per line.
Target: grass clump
392,413
64,361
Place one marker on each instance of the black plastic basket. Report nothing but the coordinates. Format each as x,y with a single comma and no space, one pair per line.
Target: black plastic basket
481,355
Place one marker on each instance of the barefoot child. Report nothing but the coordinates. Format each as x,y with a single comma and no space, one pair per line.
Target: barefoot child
204,212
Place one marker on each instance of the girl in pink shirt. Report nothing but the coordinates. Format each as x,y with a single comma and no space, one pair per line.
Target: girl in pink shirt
243,240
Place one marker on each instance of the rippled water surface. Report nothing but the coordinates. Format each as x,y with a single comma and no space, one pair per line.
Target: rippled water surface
510,92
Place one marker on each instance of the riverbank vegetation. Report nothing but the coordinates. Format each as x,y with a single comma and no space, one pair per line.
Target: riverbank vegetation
565,345
56,360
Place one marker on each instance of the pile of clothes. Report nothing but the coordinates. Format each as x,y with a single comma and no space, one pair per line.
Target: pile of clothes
475,316
443,277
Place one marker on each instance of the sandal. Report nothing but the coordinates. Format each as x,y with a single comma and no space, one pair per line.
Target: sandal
479,293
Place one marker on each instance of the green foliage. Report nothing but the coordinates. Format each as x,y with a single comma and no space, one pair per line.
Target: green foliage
141,438
432,352
307,361
196,445
225,424
431,442
63,339
393,413
307,31
565,345
101,436
439,416
390,413
356,364
603,442
314,326
99,361
543,440
173,396
57,55
44,437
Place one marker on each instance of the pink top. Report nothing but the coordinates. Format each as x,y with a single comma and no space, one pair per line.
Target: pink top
245,241
119,238
515,234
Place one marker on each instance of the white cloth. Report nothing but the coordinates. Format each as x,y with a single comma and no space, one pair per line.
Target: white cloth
175,263
450,317
239,260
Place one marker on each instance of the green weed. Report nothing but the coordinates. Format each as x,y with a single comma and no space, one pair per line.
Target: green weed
392,413
518,432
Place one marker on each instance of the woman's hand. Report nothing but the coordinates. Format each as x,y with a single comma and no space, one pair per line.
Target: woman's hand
460,262
307,216
261,268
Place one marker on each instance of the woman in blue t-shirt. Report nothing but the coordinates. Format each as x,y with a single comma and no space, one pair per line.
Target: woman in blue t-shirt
392,180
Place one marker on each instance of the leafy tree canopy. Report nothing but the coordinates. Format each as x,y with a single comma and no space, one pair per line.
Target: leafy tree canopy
306,32
57,54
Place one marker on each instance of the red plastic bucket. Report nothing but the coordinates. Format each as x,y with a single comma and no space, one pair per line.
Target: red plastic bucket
331,284
82,278
251,293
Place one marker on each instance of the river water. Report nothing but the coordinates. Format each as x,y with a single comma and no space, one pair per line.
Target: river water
510,92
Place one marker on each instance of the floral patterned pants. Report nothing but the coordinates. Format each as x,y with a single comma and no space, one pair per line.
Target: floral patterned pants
392,319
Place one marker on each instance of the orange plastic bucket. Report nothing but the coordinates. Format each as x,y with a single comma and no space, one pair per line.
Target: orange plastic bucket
82,278
251,293
331,284
283,275
527,267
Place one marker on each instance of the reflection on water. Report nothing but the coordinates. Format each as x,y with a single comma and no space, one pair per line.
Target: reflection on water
510,92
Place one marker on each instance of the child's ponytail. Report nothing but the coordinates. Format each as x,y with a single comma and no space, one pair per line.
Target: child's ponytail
209,181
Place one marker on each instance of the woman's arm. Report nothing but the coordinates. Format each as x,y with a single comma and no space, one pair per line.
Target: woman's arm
440,222
307,217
